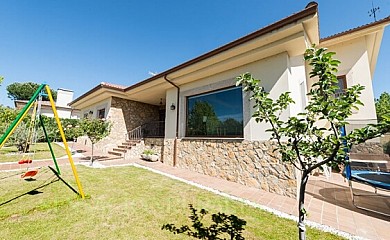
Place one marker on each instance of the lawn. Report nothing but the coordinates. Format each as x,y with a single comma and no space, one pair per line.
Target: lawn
122,203
37,151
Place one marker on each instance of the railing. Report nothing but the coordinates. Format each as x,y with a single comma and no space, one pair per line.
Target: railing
135,134
150,129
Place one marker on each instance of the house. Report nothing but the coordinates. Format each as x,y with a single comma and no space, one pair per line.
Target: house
195,115
64,97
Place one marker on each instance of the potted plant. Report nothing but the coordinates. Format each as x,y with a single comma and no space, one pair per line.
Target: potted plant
149,155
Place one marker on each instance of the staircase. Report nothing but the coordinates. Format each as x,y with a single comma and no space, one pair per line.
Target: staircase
122,149
135,136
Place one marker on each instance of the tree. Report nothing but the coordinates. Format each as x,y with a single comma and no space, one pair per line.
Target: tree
95,129
382,106
202,119
302,140
1,79
24,91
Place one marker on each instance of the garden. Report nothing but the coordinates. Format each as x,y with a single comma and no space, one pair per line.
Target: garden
121,203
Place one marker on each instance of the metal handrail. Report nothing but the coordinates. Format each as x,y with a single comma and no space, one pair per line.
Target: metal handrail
150,129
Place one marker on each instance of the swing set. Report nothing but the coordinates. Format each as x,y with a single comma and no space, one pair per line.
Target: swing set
35,103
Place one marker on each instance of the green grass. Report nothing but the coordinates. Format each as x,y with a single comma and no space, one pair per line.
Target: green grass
10,154
122,203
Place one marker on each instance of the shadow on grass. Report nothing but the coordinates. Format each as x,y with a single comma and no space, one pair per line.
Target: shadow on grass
45,184
222,224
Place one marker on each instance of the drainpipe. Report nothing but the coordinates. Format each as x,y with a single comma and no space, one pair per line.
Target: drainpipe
177,120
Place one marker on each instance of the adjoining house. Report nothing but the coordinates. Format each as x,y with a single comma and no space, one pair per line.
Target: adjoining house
64,97
198,119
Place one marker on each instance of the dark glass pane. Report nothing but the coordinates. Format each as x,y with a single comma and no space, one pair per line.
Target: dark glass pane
216,114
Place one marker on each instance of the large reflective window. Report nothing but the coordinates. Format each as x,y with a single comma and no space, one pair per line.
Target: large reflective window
215,114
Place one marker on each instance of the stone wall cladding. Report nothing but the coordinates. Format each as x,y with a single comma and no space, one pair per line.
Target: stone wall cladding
368,148
156,144
251,163
167,156
135,113
124,116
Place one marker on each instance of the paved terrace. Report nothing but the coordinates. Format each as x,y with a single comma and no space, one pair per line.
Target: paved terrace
328,201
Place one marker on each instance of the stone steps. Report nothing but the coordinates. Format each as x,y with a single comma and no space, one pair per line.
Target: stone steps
115,153
122,149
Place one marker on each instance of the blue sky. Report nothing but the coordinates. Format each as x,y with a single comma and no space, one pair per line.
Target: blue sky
78,44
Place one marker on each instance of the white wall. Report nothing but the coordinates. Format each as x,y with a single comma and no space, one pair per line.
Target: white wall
276,72
64,97
106,103
355,65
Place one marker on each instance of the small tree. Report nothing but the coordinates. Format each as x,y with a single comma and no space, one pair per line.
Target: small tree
382,106
302,140
95,129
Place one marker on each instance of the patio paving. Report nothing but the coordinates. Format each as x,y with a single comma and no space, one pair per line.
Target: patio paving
328,201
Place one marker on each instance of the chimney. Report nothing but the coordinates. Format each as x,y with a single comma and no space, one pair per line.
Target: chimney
64,96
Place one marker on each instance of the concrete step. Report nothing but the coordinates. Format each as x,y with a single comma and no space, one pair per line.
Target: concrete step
128,144
124,146
116,153
119,150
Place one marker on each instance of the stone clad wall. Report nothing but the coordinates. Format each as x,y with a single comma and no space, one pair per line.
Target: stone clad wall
134,113
124,116
251,163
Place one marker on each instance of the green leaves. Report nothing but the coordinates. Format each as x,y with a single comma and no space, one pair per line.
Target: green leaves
314,134
382,106
24,91
95,129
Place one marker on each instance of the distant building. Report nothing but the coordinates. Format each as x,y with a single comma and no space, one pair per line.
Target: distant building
64,97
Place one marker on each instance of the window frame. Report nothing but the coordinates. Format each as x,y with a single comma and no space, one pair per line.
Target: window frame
213,136
98,113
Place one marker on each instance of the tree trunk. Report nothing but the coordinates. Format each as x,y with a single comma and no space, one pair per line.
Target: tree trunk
301,207
92,155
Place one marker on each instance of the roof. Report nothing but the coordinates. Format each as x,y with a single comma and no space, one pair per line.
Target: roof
112,86
356,29
310,9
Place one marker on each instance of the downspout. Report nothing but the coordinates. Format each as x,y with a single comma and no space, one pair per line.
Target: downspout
177,120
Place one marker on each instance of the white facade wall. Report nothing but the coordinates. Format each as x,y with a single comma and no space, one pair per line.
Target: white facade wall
356,66
91,111
278,73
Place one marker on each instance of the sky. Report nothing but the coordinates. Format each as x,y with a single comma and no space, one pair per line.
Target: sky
77,44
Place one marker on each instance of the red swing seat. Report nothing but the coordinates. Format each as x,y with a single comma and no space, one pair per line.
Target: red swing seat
23,161
29,174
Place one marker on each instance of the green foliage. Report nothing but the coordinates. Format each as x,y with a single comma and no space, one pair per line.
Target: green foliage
24,91
95,129
1,80
382,106
223,224
302,140
149,152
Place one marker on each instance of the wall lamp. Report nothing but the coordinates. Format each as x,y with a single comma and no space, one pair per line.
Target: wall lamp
173,107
